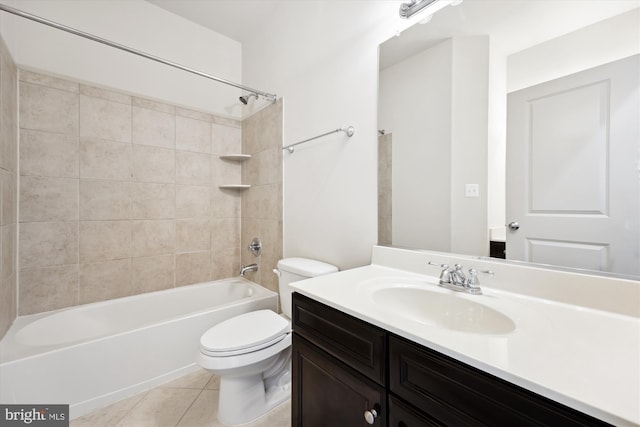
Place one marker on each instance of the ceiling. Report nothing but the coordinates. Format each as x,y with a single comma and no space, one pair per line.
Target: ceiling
232,18
514,24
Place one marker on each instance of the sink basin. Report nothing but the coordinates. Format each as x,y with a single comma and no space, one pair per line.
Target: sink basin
442,308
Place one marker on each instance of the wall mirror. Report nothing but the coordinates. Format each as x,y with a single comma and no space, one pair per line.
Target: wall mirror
515,123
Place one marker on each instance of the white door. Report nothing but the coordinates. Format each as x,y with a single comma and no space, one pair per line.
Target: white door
573,177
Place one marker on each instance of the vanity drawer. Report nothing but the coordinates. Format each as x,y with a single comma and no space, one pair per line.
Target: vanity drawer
403,415
431,381
355,342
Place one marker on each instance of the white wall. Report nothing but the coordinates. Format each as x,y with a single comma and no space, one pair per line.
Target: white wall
415,107
435,105
469,134
600,43
497,143
322,57
136,24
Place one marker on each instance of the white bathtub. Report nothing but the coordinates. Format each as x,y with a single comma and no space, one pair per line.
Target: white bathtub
92,355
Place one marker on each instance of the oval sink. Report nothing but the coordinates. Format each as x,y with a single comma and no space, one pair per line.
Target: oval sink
446,310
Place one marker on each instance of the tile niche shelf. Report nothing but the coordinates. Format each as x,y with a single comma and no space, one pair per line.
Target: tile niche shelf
236,187
235,158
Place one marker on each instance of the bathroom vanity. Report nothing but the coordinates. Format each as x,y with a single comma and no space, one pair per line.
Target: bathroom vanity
361,354
345,369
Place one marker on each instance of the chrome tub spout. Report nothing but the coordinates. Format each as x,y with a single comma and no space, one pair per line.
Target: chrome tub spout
248,268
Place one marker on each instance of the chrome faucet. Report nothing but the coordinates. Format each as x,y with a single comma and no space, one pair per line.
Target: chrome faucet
455,279
457,276
248,268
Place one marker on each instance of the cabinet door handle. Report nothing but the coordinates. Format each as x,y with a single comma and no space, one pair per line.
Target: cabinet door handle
370,416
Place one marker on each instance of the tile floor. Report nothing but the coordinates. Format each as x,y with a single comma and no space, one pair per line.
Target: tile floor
189,401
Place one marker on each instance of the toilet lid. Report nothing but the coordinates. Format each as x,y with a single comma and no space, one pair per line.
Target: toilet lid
244,333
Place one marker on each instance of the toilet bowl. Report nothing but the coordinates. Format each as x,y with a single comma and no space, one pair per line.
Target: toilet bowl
252,352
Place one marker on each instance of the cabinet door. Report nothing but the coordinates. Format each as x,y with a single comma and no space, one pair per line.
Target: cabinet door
327,393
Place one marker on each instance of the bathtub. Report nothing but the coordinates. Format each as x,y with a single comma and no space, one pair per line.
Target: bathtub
93,355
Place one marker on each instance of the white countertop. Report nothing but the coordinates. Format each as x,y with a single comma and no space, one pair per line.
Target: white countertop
584,358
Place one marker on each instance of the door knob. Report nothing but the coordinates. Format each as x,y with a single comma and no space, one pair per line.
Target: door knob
370,416
513,226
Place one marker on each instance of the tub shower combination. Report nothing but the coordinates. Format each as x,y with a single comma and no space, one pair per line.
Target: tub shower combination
96,354
92,355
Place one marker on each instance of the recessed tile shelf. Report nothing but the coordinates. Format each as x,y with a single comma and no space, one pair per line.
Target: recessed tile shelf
237,187
236,157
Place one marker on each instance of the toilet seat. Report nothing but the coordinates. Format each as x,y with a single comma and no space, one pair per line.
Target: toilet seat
259,329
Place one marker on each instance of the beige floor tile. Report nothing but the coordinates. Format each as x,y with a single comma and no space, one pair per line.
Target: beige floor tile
179,403
161,407
196,380
278,417
110,415
213,384
203,412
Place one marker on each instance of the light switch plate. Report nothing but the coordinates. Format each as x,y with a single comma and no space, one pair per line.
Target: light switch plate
471,190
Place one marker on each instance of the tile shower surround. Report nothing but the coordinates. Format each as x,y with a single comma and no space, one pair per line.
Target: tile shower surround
119,194
8,187
262,203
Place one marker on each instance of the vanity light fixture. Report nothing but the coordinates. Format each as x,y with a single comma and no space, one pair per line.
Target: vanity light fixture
407,10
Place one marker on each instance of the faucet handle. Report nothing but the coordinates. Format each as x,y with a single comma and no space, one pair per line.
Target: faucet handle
437,265
445,274
472,282
445,266
451,275
473,277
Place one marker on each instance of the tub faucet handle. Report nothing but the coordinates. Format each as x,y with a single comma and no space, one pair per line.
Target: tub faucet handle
255,247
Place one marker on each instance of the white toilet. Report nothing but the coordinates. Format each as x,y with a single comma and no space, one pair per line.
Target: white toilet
252,352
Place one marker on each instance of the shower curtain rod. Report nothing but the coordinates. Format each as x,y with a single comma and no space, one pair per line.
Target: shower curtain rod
270,96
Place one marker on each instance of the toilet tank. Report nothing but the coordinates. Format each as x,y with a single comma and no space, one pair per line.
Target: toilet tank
294,269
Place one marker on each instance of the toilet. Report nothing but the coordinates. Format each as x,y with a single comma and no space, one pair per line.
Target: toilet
252,352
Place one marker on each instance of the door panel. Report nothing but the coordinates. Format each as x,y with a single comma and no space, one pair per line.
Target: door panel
578,255
572,170
568,150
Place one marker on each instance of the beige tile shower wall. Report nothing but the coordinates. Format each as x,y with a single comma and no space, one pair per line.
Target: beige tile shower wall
385,186
119,195
8,188
262,203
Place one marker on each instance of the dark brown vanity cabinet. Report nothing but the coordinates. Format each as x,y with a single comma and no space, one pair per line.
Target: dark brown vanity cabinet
339,368
345,370
457,394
